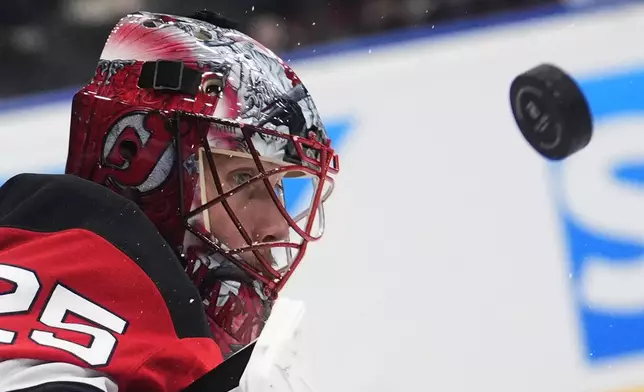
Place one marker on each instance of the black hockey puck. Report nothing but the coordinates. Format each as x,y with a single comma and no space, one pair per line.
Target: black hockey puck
551,111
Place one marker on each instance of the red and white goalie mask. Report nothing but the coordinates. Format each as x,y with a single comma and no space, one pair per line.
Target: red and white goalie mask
220,144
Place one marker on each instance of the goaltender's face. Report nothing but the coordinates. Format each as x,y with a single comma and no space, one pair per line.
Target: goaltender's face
252,205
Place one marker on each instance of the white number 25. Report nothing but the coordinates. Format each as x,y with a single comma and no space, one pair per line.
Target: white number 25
61,302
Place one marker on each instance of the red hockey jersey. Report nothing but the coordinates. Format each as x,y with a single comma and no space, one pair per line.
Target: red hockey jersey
87,281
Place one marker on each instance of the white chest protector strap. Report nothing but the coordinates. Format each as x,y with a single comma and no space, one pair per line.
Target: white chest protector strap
278,363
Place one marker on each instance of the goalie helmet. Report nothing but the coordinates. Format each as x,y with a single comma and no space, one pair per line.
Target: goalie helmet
220,144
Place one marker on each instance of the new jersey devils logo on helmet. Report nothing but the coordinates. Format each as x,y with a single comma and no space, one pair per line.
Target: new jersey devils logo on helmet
138,152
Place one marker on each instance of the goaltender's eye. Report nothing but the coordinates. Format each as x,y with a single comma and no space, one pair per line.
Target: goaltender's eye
213,87
241,177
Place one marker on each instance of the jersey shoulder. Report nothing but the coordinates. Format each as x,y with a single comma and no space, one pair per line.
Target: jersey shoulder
44,203
91,282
